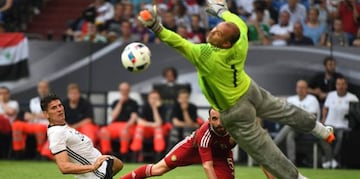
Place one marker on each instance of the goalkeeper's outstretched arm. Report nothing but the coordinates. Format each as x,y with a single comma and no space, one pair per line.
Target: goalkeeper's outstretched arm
150,19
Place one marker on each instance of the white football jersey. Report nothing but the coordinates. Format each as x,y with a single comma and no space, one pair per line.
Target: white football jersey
79,148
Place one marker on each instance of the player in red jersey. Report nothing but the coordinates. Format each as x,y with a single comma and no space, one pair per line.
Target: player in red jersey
210,146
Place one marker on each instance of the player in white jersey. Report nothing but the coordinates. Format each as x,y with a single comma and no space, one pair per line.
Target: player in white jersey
74,153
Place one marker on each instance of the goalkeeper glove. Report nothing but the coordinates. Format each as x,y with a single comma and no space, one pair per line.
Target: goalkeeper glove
216,7
150,19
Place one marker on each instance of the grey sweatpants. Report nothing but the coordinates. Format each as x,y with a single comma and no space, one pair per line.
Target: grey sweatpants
240,122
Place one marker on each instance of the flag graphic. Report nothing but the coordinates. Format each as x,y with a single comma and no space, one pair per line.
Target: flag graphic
14,53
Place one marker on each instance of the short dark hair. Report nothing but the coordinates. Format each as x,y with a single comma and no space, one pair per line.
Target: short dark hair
342,78
5,88
183,91
210,110
328,59
73,86
47,99
314,9
172,69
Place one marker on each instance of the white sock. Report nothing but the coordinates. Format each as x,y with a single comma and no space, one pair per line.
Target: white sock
320,131
301,176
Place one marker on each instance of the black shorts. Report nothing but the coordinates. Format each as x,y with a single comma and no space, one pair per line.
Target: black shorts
109,171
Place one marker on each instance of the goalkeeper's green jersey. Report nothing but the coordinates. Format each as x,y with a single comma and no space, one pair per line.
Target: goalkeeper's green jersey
221,73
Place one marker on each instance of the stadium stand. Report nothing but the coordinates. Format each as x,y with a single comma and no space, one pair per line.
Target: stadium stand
49,19
52,21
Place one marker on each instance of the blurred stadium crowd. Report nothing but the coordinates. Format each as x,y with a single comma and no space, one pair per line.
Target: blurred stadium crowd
150,129
271,22
143,127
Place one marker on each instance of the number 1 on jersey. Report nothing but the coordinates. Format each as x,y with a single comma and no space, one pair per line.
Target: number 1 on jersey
234,75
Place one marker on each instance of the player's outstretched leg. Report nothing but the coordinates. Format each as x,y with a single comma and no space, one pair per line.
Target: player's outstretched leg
240,122
324,132
148,170
243,127
272,108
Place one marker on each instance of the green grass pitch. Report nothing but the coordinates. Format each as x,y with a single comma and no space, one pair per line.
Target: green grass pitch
49,170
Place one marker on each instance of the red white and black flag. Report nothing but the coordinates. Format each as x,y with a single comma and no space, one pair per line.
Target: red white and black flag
14,53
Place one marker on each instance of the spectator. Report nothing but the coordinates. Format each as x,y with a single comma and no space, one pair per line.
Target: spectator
191,6
302,100
335,109
124,115
321,5
332,8
181,14
348,12
170,4
245,8
126,35
80,27
231,4
336,38
273,11
182,30
298,38
35,123
197,30
280,33
170,76
151,124
143,33
169,21
306,3
128,12
169,89
113,25
105,11
4,6
296,10
258,28
324,82
313,28
259,6
162,8
8,112
79,112
356,42
96,34
184,118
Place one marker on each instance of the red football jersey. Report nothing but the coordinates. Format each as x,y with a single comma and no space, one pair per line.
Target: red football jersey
212,146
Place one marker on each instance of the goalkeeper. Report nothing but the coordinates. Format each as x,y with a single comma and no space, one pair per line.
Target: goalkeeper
227,87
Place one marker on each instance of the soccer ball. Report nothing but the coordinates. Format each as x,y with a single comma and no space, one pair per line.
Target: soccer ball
136,57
